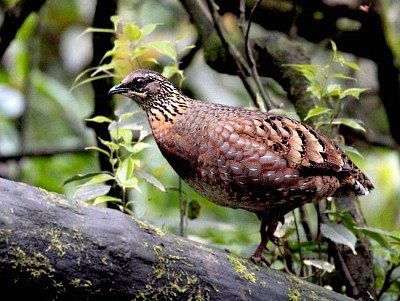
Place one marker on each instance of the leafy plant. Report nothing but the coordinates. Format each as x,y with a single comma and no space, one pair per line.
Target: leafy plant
132,49
324,86
122,154
330,94
341,228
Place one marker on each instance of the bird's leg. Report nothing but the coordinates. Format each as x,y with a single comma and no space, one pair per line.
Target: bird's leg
271,221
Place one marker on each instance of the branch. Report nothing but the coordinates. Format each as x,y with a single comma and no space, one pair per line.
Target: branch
270,54
233,54
53,248
45,153
268,103
299,17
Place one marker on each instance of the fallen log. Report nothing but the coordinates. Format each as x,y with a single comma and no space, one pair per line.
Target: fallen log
53,248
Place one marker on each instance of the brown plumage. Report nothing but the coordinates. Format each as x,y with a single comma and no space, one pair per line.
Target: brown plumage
264,163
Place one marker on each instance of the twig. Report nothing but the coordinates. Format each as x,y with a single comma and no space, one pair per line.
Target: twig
298,242
267,101
351,284
242,16
243,69
43,153
182,212
387,283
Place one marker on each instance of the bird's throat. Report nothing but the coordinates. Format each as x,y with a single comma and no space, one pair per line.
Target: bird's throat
165,113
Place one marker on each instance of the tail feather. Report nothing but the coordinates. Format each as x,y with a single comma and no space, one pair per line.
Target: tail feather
354,185
360,189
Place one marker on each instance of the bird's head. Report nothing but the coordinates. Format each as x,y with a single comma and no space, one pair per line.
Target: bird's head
153,93
142,86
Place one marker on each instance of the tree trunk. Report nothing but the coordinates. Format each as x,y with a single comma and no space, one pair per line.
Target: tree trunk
53,248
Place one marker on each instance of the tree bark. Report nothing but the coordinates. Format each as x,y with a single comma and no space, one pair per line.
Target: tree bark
54,248
103,106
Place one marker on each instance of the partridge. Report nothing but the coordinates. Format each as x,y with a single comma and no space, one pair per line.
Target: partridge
238,158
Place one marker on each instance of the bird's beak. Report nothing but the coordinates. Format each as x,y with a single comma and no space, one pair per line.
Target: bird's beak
118,89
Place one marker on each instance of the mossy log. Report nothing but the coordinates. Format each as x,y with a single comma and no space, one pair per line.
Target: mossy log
53,248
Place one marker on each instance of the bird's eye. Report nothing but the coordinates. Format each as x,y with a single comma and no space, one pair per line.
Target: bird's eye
139,83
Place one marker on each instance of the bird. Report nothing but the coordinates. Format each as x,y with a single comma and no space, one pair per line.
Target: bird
264,163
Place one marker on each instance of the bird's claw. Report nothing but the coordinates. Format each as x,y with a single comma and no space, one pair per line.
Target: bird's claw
275,240
260,258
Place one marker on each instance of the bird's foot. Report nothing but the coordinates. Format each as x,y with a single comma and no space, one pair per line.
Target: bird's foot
258,256
270,222
275,240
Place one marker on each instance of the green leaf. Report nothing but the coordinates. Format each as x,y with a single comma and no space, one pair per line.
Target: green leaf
163,47
351,65
128,147
105,199
80,177
131,32
135,162
320,264
100,178
351,149
139,146
316,90
104,68
98,149
115,20
137,52
90,79
150,179
334,47
352,123
170,70
355,92
333,90
310,72
317,111
124,171
120,133
151,60
193,209
109,53
377,234
149,28
395,274
99,119
339,234
90,192
127,115
93,29
109,144
131,183
82,74
341,76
